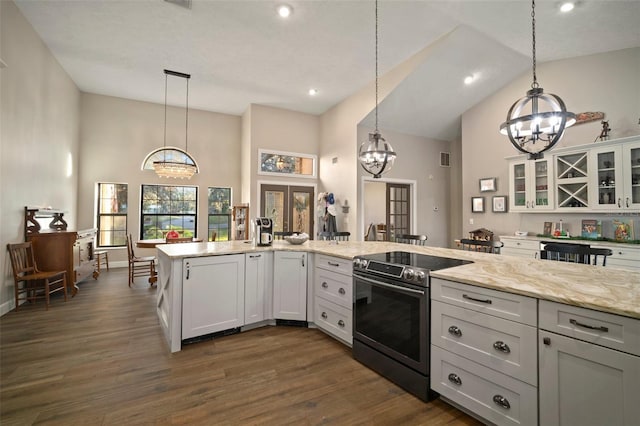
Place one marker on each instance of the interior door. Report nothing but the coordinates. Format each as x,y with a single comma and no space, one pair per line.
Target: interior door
398,210
291,208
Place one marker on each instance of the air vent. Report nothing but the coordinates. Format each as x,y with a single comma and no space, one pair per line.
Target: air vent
182,3
444,159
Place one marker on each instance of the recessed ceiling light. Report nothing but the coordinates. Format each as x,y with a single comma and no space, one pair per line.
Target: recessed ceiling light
284,10
313,92
567,7
468,79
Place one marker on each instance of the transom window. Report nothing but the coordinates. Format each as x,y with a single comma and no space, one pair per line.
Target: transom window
112,214
219,208
168,208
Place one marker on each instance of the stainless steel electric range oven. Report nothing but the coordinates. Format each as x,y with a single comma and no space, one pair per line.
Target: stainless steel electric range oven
391,311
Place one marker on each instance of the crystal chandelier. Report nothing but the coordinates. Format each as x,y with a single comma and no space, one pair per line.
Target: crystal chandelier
376,155
536,122
170,166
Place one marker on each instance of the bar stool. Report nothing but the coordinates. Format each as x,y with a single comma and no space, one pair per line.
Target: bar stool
102,257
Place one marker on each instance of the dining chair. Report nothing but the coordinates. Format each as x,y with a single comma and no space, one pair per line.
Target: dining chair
484,246
36,284
334,236
140,266
279,235
577,253
416,240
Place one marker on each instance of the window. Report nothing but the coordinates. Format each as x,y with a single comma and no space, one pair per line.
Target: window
279,163
219,208
166,208
112,214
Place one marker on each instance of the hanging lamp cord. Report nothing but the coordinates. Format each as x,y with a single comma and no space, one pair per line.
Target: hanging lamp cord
186,121
534,85
376,66
165,119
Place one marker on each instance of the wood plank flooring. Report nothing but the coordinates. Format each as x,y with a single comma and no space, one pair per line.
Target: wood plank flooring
101,358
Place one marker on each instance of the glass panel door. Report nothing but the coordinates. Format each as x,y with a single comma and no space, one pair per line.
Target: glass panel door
606,169
398,210
519,185
289,207
541,173
301,214
634,191
275,205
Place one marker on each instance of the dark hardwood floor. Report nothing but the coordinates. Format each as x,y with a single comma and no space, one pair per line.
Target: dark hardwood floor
101,358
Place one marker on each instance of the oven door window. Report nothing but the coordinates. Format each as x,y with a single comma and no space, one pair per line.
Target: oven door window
392,320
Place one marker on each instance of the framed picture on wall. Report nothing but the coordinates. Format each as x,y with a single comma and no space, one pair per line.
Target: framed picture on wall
499,204
488,185
477,204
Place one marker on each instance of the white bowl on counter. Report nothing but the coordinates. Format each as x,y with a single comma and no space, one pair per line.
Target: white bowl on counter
296,239
521,233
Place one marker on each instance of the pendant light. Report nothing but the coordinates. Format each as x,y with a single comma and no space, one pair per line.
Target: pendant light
376,155
175,163
536,122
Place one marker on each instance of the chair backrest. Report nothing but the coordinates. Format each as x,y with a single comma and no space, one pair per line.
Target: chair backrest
336,236
576,253
130,252
372,234
485,246
179,240
213,235
22,260
416,240
279,235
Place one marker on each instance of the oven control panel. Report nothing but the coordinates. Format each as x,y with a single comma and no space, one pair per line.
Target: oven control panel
403,273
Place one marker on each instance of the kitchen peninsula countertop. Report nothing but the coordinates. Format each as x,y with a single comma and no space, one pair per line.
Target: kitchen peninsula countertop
594,287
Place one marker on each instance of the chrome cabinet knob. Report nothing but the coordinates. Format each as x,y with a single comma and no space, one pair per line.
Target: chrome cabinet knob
502,347
341,323
324,315
501,401
455,379
341,291
454,330
325,285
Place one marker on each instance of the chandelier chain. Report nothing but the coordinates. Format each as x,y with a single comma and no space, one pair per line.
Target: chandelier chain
533,50
165,117
376,66
186,121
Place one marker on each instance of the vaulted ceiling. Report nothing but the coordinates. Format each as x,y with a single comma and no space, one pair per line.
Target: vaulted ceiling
242,52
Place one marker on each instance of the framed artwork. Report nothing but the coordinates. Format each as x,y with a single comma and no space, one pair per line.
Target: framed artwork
499,204
547,228
488,185
477,204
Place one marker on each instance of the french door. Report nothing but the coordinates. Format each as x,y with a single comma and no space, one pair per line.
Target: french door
398,210
291,208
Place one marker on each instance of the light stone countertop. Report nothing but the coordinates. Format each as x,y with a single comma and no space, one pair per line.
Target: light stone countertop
594,287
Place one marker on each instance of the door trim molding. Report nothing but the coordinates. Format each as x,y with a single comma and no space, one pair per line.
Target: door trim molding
413,184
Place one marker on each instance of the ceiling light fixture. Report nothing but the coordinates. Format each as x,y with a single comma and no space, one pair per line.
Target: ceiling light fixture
376,155
567,7
469,79
313,92
284,10
170,166
532,129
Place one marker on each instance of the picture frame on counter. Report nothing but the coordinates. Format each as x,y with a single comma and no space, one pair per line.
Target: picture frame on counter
477,204
488,185
499,204
547,229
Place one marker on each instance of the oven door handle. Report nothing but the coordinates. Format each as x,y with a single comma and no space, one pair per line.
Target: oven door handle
395,287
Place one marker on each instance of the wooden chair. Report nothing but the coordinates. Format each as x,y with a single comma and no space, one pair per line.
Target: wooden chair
279,235
36,284
102,258
416,240
334,236
577,253
140,266
484,246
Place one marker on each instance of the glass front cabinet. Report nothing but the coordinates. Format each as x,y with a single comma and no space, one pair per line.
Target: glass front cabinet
616,179
530,185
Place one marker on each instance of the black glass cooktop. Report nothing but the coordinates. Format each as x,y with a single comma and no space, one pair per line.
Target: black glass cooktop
416,260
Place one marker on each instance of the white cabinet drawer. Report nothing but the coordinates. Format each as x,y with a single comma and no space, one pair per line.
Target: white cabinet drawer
334,319
601,328
334,287
336,264
510,306
521,244
496,397
506,346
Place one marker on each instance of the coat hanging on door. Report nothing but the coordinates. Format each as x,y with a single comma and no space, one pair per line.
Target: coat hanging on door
328,216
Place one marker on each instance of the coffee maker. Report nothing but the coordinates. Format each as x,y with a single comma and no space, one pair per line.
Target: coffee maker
263,231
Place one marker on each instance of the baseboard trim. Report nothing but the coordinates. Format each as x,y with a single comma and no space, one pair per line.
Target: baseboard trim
7,306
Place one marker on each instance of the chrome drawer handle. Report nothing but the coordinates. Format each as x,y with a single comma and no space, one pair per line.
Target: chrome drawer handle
502,347
341,291
341,323
501,401
454,330
487,301
591,327
455,379
333,264
325,285
324,315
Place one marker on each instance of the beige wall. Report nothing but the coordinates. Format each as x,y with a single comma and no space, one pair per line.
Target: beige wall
117,134
39,113
605,82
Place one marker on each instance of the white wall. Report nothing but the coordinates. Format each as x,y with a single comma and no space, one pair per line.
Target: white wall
375,196
117,134
39,113
606,82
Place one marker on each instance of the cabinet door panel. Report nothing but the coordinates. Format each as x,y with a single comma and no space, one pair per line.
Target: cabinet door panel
290,286
254,288
585,384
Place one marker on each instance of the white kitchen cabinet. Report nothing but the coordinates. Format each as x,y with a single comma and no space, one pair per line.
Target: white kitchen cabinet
520,247
531,185
212,294
333,284
615,182
255,280
572,181
290,285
